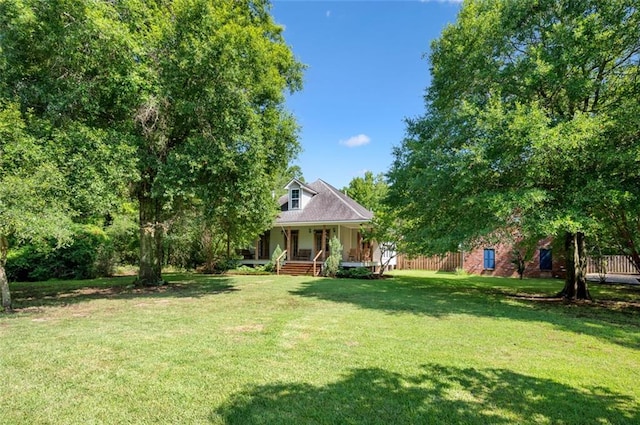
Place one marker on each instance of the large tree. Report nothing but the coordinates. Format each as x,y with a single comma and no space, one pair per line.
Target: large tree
195,87
526,127
368,190
32,191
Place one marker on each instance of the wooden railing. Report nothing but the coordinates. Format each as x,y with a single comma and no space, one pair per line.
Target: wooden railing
448,262
619,264
315,260
284,253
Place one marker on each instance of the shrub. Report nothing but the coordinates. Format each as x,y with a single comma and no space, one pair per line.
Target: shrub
461,272
225,265
21,262
123,232
258,270
361,273
271,266
88,256
355,273
332,263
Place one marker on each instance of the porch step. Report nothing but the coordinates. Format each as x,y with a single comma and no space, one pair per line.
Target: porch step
299,268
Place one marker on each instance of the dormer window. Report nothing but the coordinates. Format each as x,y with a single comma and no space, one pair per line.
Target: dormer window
295,199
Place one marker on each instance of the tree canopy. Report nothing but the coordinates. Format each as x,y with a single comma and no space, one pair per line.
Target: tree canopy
368,191
187,95
32,191
529,124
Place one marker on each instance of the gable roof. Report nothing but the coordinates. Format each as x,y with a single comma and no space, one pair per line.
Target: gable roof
303,186
327,205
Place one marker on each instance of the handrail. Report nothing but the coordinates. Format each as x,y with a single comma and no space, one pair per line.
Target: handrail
315,259
278,261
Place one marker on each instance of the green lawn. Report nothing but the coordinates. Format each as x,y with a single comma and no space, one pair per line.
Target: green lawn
417,348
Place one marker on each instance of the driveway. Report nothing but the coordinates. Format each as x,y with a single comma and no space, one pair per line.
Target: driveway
624,279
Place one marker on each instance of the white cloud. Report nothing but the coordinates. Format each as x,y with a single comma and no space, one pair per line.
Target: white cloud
355,141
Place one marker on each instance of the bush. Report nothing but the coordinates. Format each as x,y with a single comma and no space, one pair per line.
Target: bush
258,270
355,273
225,265
461,272
21,262
332,263
88,256
271,266
123,232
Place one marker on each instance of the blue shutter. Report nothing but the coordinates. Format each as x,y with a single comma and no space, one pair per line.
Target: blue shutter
489,259
546,261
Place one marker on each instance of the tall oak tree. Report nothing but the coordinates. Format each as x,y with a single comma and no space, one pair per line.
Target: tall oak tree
527,127
194,87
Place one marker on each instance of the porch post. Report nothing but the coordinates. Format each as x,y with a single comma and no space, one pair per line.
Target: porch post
323,244
288,236
358,245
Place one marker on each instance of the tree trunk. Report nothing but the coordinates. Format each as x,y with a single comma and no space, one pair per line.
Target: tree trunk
151,236
4,282
207,246
575,287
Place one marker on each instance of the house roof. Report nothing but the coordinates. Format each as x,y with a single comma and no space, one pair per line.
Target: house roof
327,205
301,185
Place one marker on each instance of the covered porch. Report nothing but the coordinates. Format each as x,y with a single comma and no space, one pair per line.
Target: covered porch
310,243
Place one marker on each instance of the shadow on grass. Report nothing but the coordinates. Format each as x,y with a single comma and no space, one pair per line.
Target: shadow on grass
57,293
438,395
443,296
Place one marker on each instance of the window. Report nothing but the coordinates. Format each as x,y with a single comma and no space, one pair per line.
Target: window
489,258
545,259
295,199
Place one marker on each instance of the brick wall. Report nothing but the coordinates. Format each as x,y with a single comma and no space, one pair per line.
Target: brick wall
474,262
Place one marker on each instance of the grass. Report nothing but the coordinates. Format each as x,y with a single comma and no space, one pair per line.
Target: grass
416,348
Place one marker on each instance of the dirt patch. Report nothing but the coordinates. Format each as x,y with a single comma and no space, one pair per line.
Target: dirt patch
613,305
88,292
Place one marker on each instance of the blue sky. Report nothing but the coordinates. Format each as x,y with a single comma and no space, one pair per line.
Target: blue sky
367,72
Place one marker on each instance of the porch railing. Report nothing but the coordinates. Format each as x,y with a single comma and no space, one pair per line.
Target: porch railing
284,253
315,260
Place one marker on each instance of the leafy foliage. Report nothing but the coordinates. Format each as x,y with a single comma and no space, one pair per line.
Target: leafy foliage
177,101
33,198
368,191
355,273
85,257
226,265
32,188
527,125
122,230
247,270
332,262
277,252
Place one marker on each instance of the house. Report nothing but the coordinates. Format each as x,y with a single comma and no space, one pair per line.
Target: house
310,215
496,259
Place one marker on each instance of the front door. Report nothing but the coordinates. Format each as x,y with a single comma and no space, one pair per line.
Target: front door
318,242
263,245
294,243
